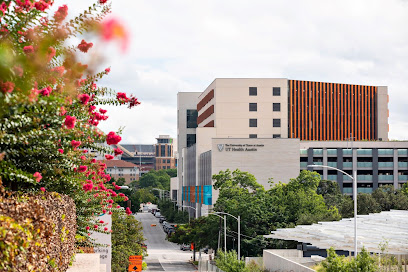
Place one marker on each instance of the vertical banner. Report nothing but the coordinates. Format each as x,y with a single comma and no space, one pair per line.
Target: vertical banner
105,239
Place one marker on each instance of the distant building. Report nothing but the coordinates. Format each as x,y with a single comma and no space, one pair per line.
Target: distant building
143,155
275,127
165,158
122,169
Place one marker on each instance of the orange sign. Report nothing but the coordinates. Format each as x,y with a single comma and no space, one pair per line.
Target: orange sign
135,263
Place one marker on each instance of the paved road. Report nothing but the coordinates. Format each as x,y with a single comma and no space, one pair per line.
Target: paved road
163,255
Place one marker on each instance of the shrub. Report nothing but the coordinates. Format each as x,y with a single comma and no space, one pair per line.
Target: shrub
37,231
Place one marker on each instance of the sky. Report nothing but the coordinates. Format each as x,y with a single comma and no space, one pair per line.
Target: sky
183,45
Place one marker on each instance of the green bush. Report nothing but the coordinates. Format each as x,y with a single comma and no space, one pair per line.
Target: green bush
127,240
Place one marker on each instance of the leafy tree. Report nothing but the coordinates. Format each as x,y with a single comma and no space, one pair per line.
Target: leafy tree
366,204
389,198
127,240
155,179
334,263
172,172
228,262
328,187
50,104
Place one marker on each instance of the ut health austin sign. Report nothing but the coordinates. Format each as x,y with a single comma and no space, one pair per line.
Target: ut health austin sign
104,239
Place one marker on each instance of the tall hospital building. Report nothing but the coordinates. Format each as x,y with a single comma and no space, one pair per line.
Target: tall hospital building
275,127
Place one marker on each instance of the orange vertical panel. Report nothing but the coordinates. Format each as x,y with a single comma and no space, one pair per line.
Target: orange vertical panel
355,132
369,113
329,116
309,121
338,111
290,109
313,111
301,109
365,112
334,112
298,109
315,128
351,105
360,113
320,111
341,112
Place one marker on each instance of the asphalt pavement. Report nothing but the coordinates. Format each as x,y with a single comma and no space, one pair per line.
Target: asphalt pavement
162,254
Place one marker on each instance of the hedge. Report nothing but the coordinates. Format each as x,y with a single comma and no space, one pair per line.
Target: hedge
37,231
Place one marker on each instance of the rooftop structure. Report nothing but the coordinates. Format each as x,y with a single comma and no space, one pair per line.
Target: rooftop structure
389,226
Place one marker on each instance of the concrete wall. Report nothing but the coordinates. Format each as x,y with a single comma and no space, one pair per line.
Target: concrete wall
232,107
382,113
266,158
277,260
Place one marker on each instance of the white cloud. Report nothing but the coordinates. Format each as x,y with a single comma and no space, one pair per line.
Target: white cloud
183,45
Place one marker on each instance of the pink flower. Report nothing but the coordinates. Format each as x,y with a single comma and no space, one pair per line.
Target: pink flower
87,228
75,143
128,211
59,70
46,91
61,151
117,207
18,71
105,229
70,121
50,53
107,70
109,157
109,212
103,1
37,176
61,13
113,138
84,46
103,211
87,187
63,111
7,87
122,97
101,222
114,29
82,168
41,5
42,189
85,151
95,226
118,151
93,161
84,98
103,111
28,49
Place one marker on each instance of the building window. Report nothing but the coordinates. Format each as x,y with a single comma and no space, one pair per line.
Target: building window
164,161
276,91
253,136
276,122
168,150
253,107
162,151
168,160
276,136
276,106
191,139
253,122
157,150
168,167
192,118
253,91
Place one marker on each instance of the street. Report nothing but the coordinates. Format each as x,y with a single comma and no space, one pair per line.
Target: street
162,254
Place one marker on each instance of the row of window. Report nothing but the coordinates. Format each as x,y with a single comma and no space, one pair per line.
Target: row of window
164,161
254,107
253,91
256,136
254,122
165,167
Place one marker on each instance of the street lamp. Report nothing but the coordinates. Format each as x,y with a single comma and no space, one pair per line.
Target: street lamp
225,229
354,178
189,212
239,230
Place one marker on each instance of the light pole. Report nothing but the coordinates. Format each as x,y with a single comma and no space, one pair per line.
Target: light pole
189,212
239,230
354,178
225,229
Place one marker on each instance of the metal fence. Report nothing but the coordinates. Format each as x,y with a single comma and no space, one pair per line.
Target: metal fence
207,266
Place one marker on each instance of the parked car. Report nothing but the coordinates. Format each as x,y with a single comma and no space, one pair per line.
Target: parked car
169,229
185,247
162,219
157,214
